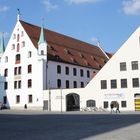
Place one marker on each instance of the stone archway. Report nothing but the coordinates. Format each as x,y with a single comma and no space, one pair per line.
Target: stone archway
72,102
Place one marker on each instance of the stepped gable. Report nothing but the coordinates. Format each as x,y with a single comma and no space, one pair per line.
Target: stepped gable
66,49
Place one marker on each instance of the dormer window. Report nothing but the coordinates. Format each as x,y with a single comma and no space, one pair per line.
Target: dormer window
81,55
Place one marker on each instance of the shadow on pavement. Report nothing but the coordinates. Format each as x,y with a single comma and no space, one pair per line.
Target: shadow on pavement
61,126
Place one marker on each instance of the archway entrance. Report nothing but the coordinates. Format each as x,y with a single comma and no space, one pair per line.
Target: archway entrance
137,101
73,102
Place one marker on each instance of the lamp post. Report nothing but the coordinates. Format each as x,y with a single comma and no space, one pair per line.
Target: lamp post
49,97
61,98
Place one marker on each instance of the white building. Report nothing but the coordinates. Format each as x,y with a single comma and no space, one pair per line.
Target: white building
37,59
117,81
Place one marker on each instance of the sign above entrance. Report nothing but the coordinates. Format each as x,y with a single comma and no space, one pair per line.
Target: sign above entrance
114,96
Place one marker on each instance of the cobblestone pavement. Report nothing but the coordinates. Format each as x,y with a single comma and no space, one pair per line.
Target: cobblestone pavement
43,125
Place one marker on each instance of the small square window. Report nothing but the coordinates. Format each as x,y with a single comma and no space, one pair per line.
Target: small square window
134,65
113,83
123,66
135,82
123,83
103,84
105,104
123,103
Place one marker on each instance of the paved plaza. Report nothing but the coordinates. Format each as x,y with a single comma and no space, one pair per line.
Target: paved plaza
43,125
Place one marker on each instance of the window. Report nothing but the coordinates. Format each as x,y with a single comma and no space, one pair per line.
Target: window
5,85
113,83
18,47
42,52
103,84
17,59
14,36
81,73
123,103
123,66
91,103
67,70
15,71
22,33
29,54
17,99
23,44
135,82
74,71
134,65
82,84
13,47
58,83
67,84
29,83
19,84
105,104
123,83
30,98
19,70
15,84
88,74
17,37
29,68
58,69
75,84
6,72
6,59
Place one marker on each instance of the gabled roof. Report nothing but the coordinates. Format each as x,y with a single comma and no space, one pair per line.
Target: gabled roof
66,49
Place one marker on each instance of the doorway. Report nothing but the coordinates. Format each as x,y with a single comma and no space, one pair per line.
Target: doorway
137,101
72,102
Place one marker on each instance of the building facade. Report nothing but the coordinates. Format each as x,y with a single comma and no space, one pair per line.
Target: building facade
118,80
37,59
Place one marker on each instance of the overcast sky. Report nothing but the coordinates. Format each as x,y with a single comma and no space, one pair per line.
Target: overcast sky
109,21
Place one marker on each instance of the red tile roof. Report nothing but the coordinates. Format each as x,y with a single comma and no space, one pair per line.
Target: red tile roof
66,49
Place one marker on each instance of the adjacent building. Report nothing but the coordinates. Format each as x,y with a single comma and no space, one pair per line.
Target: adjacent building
118,80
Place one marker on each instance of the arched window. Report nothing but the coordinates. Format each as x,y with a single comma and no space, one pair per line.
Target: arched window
91,103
